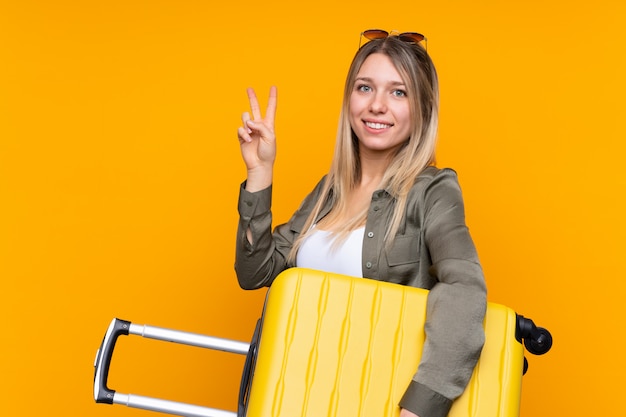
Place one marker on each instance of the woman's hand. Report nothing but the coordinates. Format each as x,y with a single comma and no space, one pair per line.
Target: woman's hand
258,142
407,413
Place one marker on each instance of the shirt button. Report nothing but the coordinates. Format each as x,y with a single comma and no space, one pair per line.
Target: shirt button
376,208
370,234
249,203
368,265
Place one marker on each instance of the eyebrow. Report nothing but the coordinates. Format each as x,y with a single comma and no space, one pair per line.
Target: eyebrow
368,79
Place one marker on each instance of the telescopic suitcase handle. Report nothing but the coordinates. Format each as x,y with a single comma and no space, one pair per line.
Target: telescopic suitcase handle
102,393
117,328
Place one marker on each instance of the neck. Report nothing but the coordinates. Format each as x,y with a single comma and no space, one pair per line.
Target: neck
373,169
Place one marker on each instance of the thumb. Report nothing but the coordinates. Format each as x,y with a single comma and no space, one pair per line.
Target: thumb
261,128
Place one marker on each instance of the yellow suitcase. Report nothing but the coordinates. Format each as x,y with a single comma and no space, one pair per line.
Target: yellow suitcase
338,346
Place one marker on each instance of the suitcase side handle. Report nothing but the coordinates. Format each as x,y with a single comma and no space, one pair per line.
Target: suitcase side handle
101,392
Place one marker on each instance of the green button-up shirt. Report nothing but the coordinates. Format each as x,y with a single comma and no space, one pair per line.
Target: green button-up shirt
432,250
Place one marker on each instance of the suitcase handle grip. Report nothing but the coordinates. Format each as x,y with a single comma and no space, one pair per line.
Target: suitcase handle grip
101,392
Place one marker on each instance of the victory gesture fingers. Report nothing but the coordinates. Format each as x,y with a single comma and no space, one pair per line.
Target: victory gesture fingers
258,141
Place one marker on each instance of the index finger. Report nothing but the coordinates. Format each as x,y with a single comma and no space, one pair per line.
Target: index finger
270,113
254,104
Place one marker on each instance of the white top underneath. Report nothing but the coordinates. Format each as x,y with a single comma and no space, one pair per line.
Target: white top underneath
317,252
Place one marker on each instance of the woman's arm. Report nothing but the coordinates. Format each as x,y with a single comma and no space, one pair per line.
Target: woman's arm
456,304
255,256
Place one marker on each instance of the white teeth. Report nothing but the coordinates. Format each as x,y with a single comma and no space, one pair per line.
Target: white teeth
377,125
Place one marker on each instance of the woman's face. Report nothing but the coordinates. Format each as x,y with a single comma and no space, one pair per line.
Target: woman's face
379,107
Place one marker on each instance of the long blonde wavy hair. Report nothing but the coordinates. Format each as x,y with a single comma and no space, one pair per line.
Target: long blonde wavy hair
418,152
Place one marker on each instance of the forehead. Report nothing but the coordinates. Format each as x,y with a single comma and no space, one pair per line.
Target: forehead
379,67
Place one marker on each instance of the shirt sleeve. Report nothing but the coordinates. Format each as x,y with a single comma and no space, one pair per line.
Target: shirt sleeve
259,261
256,261
456,304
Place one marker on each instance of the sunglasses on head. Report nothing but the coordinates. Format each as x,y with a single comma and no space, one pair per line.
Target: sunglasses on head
408,37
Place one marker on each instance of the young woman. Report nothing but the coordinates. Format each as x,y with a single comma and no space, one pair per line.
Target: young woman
383,211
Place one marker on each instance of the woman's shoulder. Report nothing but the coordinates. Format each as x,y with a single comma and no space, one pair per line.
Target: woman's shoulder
433,175
431,172
435,188
434,182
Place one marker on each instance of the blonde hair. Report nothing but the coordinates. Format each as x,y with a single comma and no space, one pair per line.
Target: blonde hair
418,152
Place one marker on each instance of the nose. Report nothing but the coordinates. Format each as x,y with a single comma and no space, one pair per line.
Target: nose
378,103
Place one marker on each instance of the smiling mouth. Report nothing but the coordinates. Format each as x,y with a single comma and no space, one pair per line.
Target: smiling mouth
377,126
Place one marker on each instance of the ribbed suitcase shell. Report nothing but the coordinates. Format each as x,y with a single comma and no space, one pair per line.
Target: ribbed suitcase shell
337,346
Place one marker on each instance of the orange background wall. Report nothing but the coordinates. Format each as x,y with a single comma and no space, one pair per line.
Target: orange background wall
119,173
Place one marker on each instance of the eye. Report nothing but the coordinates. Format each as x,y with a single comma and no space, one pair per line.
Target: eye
399,93
364,88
